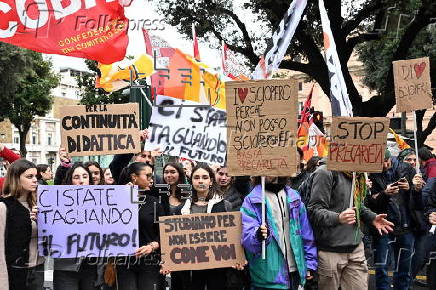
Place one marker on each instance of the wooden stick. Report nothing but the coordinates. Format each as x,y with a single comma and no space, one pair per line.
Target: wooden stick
263,216
353,187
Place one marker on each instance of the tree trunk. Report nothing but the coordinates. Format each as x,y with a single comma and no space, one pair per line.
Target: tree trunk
23,136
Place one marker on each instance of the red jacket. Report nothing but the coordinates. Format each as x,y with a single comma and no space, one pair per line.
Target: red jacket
9,156
430,168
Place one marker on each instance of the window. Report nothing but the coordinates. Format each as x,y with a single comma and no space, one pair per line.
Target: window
49,139
300,86
16,139
34,138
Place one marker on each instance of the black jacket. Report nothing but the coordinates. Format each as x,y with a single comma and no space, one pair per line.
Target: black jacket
405,209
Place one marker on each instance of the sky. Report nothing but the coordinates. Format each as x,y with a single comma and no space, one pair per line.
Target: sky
141,10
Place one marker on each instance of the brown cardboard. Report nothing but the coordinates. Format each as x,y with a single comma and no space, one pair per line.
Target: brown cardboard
412,84
358,144
183,249
261,127
84,125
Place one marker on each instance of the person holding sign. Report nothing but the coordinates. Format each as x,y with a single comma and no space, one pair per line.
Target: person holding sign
141,272
207,199
338,238
75,273
291,256
18,229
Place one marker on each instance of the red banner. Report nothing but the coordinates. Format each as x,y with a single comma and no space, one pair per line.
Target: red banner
92,29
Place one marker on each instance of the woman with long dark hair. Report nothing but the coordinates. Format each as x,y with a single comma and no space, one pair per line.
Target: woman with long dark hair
174,176
142,271
79,273
18,228
96,172
44,174
207,198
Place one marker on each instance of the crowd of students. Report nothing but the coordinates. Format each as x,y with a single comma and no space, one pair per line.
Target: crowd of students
313,237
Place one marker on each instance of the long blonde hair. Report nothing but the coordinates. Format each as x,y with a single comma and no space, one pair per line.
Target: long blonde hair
12,185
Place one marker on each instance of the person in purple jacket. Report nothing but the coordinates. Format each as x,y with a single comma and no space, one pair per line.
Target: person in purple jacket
291,254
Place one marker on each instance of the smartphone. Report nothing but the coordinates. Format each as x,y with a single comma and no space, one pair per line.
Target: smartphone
402,179
395,183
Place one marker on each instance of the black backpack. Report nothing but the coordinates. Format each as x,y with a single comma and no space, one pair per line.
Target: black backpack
305,189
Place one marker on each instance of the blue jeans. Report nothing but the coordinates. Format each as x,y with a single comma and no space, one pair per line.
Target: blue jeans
401,247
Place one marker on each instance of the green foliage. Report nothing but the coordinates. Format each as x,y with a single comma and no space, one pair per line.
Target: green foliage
27,80
94,96
377,55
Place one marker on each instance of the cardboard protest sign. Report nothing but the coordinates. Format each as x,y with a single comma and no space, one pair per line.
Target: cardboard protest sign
100,129
87,221
412,84
187,129
358,144
262,127
201,241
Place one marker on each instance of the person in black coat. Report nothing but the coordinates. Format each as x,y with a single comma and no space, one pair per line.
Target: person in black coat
141,272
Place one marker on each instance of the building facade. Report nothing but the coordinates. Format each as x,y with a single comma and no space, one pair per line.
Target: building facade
43,140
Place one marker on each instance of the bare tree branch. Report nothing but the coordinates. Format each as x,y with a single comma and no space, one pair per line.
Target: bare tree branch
363,13
355,40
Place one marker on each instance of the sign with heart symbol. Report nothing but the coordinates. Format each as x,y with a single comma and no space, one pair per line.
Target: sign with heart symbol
261,127
419,69
242,93
412,84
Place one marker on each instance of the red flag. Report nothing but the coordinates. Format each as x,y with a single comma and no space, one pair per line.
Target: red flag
161,52
92,29
231,67
305,112
195,42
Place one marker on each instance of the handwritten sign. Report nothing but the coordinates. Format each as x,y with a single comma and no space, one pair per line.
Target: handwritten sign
186,129
412,84
201,241
261,127
100,129
358,144
87,221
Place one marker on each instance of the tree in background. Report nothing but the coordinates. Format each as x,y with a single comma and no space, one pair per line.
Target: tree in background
26,80
377,57
354,24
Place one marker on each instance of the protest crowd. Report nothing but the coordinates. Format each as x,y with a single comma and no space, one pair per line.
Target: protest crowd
219,179
311,234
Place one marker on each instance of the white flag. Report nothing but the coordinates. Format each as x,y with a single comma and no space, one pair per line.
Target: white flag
280,41
341,105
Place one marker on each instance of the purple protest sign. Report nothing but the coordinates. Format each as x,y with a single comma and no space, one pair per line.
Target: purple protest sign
87,221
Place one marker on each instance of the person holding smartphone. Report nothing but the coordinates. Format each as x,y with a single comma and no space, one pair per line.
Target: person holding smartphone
391,193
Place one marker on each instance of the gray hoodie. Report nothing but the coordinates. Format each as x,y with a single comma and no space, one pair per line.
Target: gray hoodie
330,195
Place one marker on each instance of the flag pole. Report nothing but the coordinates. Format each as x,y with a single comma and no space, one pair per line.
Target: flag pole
263,216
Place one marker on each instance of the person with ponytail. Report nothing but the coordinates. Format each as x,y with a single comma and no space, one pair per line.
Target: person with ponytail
18,228
141,272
